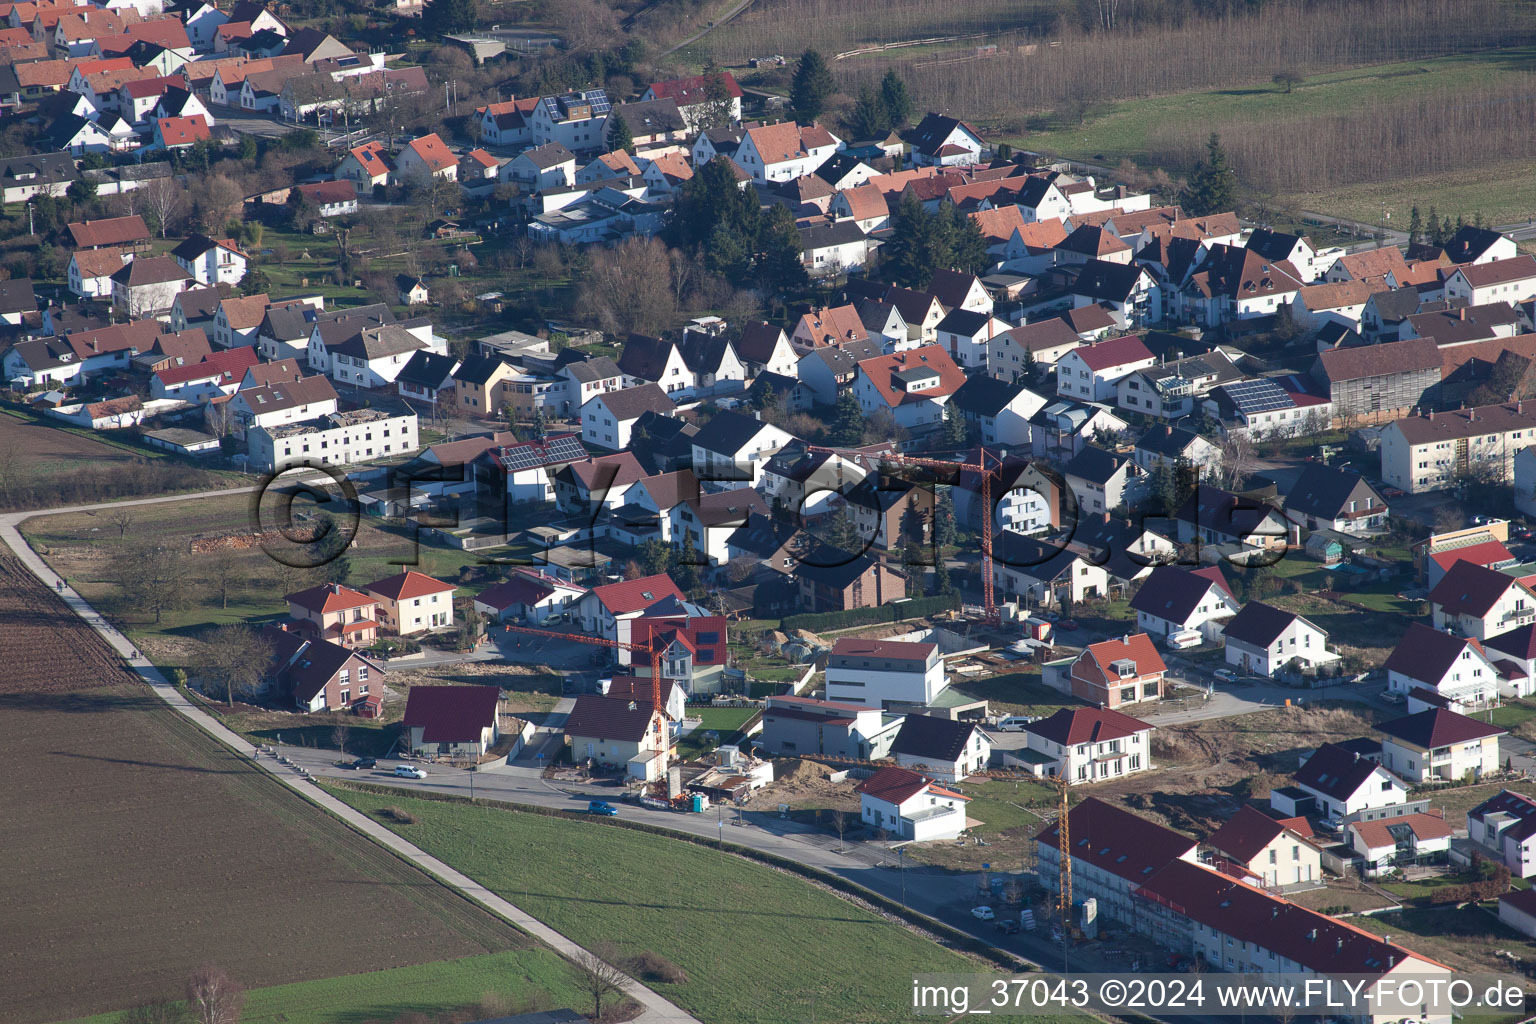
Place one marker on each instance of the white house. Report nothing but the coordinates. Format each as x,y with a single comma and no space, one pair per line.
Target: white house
426,157
1518,910
1010,353
1399,842
881,672
1511,280
532,597
1439,745
733,448
90,271
1100,480
1090,372
607,420
967,336
1174,599
547,166
1087,744
1479,602
577,120
913,386
1262,639
942,141
1342,784
784,151
1276,852
1449,666
211,261
905,804
943,748
1505,826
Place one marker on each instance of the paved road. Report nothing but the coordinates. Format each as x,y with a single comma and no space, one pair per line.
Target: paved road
707,29
658,1010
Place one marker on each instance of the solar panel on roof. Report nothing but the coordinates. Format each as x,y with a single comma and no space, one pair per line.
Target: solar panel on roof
1253,396
535,454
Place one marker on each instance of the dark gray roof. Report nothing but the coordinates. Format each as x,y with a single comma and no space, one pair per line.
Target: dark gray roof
1104,281
1335,771
589,370
1170,442
822,236
426,369
939,739
727,432
1171,593
964,322
478,369
1258,624
984,396
377,342
1094,464
1325,492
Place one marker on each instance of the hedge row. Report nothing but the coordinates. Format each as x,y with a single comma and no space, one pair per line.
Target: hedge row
916,608
952,936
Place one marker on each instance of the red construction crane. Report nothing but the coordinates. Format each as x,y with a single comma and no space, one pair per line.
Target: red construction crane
983,469
654,649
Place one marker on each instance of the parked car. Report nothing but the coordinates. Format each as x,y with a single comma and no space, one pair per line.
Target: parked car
1015,723
1393,697
982,913
1226,675
1007,925
1393,492
603,808
1330,824
362,762
1066,624
410,771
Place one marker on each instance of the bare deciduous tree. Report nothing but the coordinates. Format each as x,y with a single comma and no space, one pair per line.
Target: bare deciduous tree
1237,458
840,826
341,735
150,575
223,574
234,657
164,197
122,518
597,975
628,287
214,997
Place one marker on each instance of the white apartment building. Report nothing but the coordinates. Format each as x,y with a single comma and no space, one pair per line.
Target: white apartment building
339,439
1428,452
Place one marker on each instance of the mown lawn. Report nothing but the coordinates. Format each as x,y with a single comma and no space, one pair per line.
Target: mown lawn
1511,714
1001,804
724,722
756,944
537,978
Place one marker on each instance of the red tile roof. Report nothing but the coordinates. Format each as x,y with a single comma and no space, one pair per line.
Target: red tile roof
897,785
687,91
1071,726
1249,914
882,370
1376,834
705,636
230,364
1488,553
1247,832
408,584
329,597
1117,841
110,231
1137,647
451,714
433,152
1471,589
1102,355
1437,728
184,131
635,595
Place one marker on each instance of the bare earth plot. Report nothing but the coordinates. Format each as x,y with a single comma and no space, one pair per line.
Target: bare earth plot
43,454
138,850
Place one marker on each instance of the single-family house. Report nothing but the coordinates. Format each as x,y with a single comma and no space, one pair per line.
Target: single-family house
783,151
1457,669
624,731
1087,745
1262,640
799,726
946,749
1325,498
1027,350
1113,673
412,602
333,612
211,261
1220,518
1090,372
426,157
1400,842
1174,599
608,420
1439,745
905,804
1340,783
317,675
454,721
1479,602
1505,826
532,597
600,610
1279,852
1100,480
830,581
913,385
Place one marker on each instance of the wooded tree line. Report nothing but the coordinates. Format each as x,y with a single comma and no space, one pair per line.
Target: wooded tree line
1386,139
1281,37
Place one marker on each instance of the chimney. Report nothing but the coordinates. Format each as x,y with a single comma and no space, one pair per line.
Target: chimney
1168,430
632,705
1338,945
1107,517
1431,415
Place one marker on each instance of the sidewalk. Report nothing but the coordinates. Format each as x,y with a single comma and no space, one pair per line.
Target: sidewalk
658,1010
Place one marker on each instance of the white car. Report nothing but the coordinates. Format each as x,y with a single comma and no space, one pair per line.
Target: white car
1226,675
982,913
409,771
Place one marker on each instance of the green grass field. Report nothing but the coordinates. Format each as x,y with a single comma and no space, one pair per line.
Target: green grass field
1130,129
756,944
724,722
512,977
1001,804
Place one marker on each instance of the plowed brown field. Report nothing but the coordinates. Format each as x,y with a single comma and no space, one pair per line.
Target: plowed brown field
136,849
